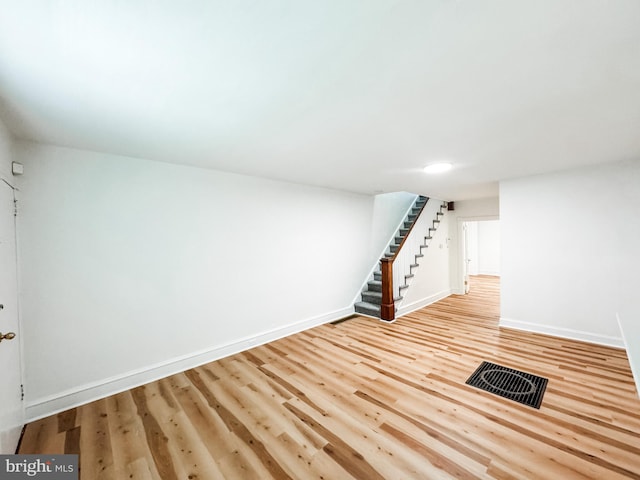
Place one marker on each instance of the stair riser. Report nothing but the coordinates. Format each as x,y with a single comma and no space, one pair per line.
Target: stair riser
371,298
368,311
374,287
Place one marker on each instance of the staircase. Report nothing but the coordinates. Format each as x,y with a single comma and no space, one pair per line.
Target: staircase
372,295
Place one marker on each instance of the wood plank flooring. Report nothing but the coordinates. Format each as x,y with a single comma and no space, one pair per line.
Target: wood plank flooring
367,400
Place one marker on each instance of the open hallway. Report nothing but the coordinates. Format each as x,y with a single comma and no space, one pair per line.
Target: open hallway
368,400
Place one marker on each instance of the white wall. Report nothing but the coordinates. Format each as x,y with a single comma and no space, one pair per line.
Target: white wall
569,240
630,327
5,153
134,269
8,438
389,210
628,268
488,247
431,281
467,210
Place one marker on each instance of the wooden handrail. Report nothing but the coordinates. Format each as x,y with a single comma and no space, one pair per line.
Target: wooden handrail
387,305
409,232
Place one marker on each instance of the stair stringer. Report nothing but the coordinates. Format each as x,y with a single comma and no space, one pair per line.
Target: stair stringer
435,234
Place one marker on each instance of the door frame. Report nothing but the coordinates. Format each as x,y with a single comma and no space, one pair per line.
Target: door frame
10,438
465,256
458,283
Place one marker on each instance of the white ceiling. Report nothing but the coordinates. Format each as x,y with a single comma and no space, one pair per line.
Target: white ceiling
357,95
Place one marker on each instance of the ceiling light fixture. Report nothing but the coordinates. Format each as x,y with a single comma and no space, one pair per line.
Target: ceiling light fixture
438,167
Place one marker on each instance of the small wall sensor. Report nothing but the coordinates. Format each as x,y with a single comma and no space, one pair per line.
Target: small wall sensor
17,168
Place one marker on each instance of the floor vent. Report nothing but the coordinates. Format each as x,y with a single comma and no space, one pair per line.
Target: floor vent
509,383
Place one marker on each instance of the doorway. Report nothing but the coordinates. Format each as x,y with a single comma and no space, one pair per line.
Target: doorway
11,405
480,250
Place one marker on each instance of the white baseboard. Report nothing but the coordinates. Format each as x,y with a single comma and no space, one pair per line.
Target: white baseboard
562,332
418,304
59,402
491,273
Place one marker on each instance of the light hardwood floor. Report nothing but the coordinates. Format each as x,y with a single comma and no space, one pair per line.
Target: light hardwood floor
368,400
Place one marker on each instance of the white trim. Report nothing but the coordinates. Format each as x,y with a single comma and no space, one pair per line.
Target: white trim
458,288
562,332
418,304
491,273
387,321
73,397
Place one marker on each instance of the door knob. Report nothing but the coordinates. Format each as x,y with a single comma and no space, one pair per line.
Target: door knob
7,336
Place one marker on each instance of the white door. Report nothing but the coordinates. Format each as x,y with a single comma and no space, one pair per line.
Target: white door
11,406
467,260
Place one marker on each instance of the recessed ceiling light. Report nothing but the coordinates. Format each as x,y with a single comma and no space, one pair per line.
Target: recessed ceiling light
438,167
